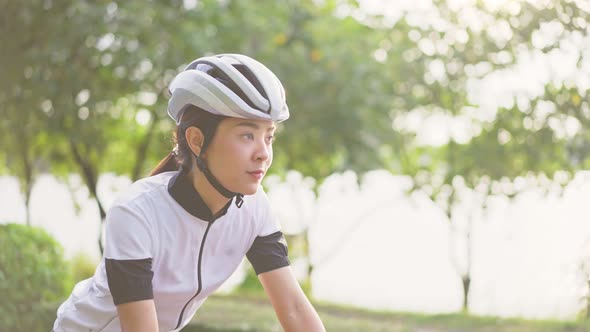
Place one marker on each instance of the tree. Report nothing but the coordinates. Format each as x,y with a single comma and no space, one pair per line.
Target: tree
105,53
450,52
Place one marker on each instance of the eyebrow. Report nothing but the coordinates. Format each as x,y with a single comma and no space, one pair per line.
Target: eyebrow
253,126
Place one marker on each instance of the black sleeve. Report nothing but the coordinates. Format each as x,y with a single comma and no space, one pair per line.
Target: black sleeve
130,280
268,253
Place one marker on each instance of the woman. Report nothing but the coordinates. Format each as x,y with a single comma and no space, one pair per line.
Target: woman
175,237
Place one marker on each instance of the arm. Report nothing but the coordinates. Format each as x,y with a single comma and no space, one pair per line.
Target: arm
292,307
128,267
138,316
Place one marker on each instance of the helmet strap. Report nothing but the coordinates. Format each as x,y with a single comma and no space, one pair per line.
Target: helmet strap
215,183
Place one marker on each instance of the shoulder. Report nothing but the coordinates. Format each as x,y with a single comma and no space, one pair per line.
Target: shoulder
256,207
141,201
144,190
258,202
261,212
131,218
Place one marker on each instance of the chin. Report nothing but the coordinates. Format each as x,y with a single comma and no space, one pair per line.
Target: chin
249,190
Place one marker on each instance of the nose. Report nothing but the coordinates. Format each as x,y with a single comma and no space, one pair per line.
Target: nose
263,151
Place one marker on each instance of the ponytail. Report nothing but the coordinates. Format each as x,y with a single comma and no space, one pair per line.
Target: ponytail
169,163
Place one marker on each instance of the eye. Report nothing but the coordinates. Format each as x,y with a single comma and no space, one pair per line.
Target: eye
270,139
248,136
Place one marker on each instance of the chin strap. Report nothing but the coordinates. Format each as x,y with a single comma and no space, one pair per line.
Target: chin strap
222,190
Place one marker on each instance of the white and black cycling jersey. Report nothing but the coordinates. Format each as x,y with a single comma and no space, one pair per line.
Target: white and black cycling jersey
162,243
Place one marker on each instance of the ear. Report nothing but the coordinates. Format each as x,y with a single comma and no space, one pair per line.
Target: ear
195,139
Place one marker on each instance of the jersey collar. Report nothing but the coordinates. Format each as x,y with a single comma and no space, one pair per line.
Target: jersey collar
182,190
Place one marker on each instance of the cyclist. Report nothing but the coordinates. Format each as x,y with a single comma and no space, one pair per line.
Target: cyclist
178,234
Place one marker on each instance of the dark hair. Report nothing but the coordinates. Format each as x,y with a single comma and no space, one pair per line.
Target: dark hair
192,116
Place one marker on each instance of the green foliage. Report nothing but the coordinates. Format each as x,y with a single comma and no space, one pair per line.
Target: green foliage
105,56
82,267
33,278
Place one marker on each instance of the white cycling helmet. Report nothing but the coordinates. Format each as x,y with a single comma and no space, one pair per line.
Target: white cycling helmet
231,85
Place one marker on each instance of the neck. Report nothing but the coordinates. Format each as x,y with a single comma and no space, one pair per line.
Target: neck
214,200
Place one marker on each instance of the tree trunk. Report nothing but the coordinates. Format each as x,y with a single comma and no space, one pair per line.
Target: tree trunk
27,177
142,148
28,204
466,283
466,274
91,179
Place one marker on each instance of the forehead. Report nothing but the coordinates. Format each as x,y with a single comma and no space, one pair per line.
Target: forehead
231,123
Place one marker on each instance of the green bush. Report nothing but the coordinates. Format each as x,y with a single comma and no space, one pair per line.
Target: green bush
34,278
82,267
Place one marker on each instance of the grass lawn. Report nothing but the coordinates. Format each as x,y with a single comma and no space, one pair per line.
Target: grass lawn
225,313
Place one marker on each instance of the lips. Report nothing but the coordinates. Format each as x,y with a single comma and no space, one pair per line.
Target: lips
257,175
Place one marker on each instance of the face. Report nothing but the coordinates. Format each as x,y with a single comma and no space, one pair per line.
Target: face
241,153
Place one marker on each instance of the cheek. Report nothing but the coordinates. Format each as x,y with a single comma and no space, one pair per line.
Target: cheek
233,153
